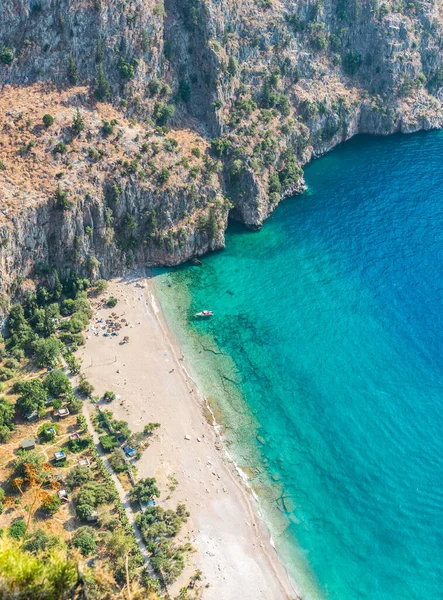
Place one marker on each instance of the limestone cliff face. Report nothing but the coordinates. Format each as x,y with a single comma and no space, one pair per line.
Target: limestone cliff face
192,110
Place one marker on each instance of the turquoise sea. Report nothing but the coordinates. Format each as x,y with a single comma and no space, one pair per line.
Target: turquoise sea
325,358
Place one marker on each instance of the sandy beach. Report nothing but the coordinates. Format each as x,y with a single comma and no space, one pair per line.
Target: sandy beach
233,548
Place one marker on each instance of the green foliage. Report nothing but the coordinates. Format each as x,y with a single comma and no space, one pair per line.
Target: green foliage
127,70
163,175
85,540
94,494
72,72
108,442
220,146
111,302
163,113
184,90
232,66
85,388
27,457
45,435
61,199
7,412
351,62
51,504
28,575
290,174
100,286
78,122
47,351
102,88
73,363
6,55
158,526
117,461
17,529
78,476
40,541
145,490
48,120
75,405
57,384
32,396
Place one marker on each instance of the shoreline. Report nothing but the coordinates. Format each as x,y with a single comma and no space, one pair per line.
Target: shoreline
236,555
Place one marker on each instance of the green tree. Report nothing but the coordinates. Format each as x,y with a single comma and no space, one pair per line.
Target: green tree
102,87
145,490
73,75
32,396
47,351
57,384
78,122
7,412
48,120
232,66
85,540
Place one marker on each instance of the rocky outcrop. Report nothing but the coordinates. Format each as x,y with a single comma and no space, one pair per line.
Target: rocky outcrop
192,110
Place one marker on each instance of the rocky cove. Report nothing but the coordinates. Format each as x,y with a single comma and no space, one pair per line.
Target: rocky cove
166,119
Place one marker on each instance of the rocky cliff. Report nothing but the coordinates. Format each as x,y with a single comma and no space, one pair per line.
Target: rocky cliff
131,129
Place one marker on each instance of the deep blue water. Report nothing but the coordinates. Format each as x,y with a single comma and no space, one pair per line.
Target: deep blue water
331,319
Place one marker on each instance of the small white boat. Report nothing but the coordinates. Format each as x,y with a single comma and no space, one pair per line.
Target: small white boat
204,314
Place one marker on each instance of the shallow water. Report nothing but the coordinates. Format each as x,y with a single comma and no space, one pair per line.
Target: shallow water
326,345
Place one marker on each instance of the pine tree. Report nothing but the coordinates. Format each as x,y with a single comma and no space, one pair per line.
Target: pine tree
78,123
73,75
102,90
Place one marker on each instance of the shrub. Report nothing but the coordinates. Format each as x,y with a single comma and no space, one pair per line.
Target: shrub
84,511
164,175
100,286
117,461
85,388
111,302
40,541
51,504
75,405
27,457
85,540
184,91
82,424
109,396
72,71
17,529
163,113
80,444
48,120
6,374
73,363
6,55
